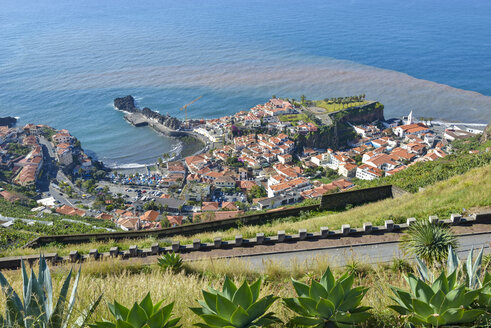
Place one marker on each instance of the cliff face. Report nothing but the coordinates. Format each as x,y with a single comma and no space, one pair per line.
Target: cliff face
340,133
127,104
362,115
486,134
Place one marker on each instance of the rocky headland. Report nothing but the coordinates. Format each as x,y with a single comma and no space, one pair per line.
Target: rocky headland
127,104
164,124
8,121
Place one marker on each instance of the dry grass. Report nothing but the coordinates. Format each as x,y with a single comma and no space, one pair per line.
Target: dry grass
451,196
129,283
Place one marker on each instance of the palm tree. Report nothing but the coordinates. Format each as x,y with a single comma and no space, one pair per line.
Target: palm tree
428,241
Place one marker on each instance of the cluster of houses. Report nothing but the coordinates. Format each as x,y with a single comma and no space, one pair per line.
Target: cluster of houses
24,168
266,116
210,184
219,184
69,154
381,152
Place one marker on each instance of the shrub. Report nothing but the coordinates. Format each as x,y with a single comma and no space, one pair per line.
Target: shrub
37,309
328,303
236,307
170,261
428,241
146,314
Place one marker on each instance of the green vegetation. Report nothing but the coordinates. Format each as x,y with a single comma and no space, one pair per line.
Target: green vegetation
20,232
334,104
170,261
48,132
296,118
145,314
11,239
236,307
256,192
234,162
445,302
429,241
6,175
18,149
37,310
334,107
328,302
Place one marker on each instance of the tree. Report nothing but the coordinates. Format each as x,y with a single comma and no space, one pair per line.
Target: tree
100,174
256,192
302,99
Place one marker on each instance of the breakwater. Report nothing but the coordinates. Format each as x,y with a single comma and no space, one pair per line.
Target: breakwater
163,124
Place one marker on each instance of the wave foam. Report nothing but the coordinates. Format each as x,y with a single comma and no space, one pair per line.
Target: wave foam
128,166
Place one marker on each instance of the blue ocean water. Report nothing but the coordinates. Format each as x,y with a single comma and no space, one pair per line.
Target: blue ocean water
63,62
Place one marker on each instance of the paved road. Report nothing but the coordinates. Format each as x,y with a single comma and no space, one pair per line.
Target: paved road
378,253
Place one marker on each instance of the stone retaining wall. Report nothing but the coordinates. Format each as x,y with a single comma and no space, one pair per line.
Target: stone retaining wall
239,241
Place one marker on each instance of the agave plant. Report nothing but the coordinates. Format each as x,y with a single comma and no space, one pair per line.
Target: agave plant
38,311
146,314
444,302
328,303
428,241
484,300
472,270
170,261
236,307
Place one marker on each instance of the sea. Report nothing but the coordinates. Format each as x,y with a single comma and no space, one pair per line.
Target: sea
63,62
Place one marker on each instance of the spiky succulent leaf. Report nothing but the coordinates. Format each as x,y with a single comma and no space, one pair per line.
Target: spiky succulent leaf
452,260
87,313
144,314
328,303
235,307
37,309
170,261
443,303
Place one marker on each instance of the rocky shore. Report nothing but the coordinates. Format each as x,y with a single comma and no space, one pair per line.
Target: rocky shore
164,124
139,116
8,121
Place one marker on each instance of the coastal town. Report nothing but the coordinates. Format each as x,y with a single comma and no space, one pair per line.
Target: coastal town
262,159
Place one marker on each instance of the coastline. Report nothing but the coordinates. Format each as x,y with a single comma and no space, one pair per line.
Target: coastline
190,143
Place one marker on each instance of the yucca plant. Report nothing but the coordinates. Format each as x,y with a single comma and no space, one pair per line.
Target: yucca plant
428,241
236,307
170,261
37,310
143,314
328,303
